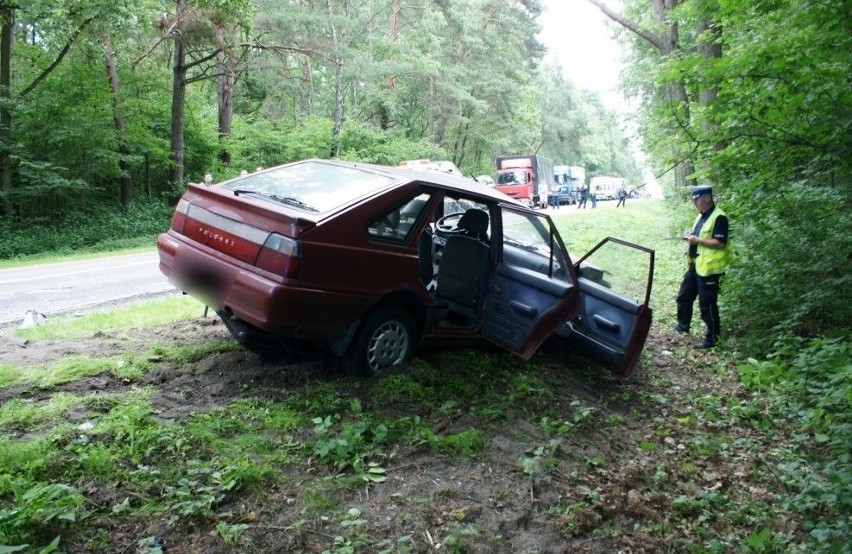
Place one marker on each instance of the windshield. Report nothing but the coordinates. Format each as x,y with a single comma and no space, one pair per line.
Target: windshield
312,186
512,178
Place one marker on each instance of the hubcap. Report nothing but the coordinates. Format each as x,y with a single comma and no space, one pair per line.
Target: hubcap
388,346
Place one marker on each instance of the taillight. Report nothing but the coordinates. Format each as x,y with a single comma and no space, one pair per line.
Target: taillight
280,255
179,217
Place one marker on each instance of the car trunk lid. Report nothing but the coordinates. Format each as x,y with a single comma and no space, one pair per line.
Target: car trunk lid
236,225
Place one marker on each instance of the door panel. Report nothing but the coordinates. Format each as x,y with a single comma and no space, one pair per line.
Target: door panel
614,318
533,290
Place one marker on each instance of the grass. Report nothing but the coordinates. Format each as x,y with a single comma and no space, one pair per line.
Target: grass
136,246
719,466
152,313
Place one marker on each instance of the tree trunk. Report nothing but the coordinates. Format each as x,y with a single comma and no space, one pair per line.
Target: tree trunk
178,102
225,65
306,84
710,47
7,16
126,184
339,100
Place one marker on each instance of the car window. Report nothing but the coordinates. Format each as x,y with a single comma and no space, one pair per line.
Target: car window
622,269
459,205
529,241
396,224
310,186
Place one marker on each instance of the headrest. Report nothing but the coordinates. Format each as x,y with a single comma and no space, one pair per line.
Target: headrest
474,222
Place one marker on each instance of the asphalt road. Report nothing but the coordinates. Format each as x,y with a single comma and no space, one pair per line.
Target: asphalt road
79,286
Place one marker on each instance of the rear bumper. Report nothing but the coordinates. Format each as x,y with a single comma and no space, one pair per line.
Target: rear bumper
265,301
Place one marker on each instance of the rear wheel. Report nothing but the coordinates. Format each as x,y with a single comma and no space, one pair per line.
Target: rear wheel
386,339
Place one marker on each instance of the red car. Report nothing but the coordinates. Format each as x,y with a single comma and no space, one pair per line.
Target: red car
373,261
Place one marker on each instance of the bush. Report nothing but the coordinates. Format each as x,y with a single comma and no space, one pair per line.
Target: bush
790,271
100,229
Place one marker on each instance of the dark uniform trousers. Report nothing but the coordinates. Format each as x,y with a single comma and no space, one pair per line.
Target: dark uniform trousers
706,289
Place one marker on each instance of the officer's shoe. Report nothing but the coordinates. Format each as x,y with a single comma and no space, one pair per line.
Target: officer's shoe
704,345
681,329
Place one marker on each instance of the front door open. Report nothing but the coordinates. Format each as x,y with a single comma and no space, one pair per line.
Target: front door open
533,290
614,316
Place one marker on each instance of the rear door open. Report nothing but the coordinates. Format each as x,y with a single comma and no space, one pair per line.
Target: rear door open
614,316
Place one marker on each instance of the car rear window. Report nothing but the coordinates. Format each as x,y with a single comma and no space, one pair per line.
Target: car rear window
312,186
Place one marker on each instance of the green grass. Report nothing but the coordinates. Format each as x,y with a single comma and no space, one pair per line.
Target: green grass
69,368
71,466
152,313
136,246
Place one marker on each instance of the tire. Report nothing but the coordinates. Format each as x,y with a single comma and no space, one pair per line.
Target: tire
385,339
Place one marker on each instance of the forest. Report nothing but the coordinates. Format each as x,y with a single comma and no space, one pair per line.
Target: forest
108,108
113,106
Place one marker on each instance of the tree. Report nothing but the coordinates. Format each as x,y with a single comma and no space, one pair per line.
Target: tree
672,98
126,188
6,25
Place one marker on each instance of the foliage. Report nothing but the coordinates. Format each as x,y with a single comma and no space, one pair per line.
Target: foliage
768,120
456,80
811,382
696,463
771,291
101,228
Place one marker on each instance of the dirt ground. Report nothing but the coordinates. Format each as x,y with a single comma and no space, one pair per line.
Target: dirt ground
600,493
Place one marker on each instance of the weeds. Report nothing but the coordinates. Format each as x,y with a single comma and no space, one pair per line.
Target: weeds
444,453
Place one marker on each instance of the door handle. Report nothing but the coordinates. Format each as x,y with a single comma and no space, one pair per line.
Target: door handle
606,323
523,308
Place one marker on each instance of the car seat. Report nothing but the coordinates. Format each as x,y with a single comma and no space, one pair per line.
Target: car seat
474,223
462,275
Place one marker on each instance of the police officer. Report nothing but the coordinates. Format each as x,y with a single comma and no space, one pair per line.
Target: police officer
708,257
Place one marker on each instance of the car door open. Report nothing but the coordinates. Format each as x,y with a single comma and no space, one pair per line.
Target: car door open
533,289
613,319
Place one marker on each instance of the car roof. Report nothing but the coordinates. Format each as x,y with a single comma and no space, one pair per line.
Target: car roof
390,178
439,178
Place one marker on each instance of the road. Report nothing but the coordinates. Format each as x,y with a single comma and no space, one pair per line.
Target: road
69,287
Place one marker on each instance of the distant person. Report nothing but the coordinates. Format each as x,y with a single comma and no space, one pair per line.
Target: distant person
622,197
593,196
707,257
584,194
208,179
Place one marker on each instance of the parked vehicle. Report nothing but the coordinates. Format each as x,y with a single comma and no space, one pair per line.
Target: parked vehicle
443,165
528,179
562,196
607,187
563,190
373,261
569,181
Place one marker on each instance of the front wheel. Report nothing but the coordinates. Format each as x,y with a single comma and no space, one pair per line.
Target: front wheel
386,339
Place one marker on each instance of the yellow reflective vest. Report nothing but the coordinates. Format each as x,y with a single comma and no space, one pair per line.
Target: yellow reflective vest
711,261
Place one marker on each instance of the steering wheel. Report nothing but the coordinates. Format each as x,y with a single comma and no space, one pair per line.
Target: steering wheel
448,224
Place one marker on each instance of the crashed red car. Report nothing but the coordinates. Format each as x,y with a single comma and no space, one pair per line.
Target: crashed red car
372,262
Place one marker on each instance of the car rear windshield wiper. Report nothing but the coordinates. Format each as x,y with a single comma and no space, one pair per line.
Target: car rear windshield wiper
283,199
293,202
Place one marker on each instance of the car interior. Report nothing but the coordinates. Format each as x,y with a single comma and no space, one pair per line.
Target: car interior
462,272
